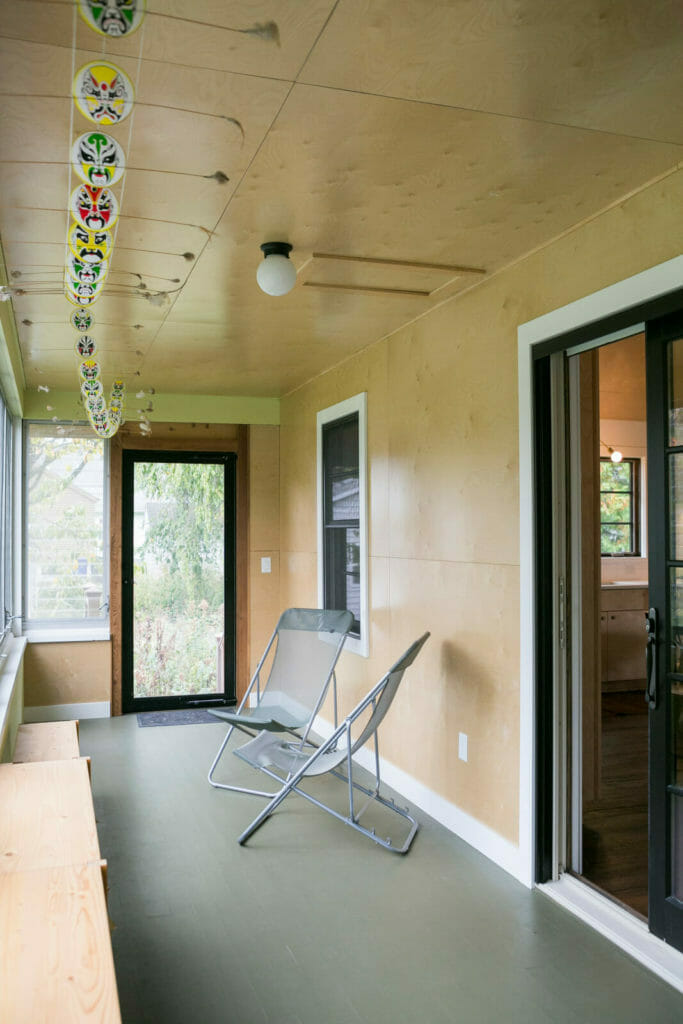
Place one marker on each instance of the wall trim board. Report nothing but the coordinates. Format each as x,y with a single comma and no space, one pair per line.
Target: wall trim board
619,926
11,691
643,287
477,835
68,712
66,405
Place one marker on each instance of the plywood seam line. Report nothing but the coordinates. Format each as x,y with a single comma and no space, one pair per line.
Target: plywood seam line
153,60
141,170
490,113
495,273
316,40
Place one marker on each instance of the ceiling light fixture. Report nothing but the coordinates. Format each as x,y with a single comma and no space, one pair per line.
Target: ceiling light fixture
614,453
276,274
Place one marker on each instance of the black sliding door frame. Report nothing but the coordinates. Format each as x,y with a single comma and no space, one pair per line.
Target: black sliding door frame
228,460
665,910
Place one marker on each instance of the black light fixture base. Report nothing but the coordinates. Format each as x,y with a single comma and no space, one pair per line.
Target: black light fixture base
276,249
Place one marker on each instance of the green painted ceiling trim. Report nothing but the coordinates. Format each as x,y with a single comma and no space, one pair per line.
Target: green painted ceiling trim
12,378
66,405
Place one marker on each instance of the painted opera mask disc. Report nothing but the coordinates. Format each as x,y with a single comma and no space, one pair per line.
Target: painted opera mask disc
91,387
85,346
97,159
89,246
86,273
113,18
89,370
82,320
95,209
103,93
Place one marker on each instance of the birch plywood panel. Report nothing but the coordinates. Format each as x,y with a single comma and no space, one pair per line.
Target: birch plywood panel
415,181
57,962
60,829
614,68
200,36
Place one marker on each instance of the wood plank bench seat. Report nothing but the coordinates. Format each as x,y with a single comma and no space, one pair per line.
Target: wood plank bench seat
47,817
46,741
56,965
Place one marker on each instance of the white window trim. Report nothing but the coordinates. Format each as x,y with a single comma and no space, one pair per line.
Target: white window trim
63,630
358,403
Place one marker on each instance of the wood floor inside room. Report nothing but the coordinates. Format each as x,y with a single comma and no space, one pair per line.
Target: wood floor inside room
311,923
615,826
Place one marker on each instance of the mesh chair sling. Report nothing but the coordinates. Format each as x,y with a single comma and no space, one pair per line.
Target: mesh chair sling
297,763
305,646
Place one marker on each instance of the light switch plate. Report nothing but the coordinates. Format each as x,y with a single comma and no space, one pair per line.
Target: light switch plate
462,746
265,565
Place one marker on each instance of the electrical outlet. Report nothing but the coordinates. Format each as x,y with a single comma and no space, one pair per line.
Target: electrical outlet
462,746
265,565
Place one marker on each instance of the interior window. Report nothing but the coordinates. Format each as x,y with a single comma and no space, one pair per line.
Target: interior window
619,503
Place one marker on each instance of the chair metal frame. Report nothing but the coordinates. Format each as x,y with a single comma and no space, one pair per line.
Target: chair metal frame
326,758
255,682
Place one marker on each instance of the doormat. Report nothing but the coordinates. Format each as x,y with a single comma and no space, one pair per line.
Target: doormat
188,716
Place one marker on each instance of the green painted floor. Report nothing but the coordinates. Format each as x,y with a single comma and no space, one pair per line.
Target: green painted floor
313,924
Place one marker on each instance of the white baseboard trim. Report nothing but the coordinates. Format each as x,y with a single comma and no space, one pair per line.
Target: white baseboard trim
620,927
501,851
67,712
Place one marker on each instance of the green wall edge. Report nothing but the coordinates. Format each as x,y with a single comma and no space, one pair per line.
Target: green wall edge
66,405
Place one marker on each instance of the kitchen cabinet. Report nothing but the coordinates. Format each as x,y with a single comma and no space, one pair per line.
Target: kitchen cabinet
623,637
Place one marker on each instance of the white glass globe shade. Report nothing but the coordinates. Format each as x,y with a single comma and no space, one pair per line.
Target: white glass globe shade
616,456
276,274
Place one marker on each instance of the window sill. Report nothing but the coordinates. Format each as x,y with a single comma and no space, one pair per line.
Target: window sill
67,636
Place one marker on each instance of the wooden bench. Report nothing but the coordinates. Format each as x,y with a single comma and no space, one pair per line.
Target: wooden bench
46,741
56,963
47,817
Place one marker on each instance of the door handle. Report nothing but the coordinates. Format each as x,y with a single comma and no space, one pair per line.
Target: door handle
651,693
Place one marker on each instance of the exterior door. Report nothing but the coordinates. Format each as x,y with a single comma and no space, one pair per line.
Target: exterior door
664,355
178,580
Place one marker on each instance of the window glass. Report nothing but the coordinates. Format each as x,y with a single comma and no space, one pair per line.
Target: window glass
5,521
65,571
341,524
619,499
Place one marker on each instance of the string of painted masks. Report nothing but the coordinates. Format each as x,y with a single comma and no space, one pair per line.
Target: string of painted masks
104,95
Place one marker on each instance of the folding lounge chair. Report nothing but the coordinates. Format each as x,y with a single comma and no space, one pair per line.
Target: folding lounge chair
297,763
305,647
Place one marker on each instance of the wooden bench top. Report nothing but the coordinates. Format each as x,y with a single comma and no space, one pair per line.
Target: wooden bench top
46,815
46,741
56,965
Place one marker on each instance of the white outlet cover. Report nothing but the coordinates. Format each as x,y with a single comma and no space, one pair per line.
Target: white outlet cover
462,746
265,565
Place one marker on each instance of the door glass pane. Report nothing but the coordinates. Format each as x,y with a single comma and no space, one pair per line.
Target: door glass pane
178,557
676,579
676,506
676,392
677,846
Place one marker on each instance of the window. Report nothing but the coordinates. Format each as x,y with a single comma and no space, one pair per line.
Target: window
619,504
342,514
65,569
6,567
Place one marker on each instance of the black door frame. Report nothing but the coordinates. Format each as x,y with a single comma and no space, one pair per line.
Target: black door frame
665,911
228,460
544,810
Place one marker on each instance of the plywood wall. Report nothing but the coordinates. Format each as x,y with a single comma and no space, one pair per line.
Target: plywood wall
67,673
444,491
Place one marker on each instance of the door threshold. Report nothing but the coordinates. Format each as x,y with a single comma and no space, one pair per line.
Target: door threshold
622,927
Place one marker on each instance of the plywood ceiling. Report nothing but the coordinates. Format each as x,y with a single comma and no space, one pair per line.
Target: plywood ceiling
454,133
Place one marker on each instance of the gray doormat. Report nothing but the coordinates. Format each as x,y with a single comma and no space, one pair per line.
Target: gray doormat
187,716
